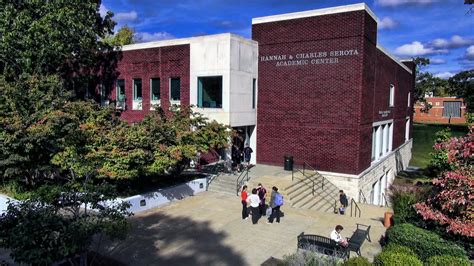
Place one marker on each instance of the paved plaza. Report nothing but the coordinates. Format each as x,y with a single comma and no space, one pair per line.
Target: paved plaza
207,229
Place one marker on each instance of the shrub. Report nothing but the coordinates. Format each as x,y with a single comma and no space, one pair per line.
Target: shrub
396,259
399,249
447,261
357,261
424,243
403,198
308,258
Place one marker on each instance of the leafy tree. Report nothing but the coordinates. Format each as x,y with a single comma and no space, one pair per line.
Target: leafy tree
423,81
124,36
55,38
60,222
462,85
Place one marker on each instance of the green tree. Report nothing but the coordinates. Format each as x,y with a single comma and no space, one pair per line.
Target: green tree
462,85
124,36
55,38
60,222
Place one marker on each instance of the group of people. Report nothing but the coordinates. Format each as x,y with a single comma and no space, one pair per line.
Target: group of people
258,208
239,155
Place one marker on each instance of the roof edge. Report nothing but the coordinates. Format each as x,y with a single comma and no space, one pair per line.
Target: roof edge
399,62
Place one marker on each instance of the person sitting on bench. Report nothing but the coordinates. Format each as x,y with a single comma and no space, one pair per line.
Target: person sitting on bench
336,236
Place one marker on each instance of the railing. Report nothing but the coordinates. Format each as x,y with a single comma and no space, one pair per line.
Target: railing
335,207
356,208
243,177
362,198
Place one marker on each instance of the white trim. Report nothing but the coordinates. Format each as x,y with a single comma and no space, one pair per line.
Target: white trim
182,41
316,12
338,174
379,123
383,50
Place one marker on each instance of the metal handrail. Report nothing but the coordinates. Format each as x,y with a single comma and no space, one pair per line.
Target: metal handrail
356,207
244,177
362,196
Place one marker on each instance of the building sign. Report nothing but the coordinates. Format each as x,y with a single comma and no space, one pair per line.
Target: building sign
384,113
312,58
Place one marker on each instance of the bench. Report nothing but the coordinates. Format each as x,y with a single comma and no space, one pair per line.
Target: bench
321,244
358,238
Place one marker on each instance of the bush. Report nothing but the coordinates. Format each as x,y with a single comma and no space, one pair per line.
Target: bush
357,261
396,259
403,198
424,243
447,261
399,249
308,258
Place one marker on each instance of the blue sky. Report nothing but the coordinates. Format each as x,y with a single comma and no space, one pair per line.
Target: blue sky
438,29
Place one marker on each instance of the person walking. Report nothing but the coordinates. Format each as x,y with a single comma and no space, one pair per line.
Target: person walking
243,196
247,155
276,201
262,193
344,202
254,201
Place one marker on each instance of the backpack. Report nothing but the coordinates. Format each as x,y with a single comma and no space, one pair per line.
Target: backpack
278,199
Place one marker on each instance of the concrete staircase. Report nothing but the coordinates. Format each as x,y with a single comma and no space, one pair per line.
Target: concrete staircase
224,183
300,193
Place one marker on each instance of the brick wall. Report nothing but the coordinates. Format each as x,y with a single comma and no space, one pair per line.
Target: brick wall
161,62
323,113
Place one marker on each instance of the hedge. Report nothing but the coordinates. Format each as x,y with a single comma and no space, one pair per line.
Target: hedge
447,261
357,261
399,249
423,242
389,258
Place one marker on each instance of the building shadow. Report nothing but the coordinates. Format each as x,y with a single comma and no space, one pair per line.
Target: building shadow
159,239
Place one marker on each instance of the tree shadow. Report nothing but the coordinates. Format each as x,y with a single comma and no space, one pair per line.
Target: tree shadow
159,239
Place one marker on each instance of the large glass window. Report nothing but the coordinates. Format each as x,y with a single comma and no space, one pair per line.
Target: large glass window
254,92
210,92
120,90
175,89
155,89
137,89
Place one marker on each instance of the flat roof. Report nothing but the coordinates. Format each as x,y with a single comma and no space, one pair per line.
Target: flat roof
316,12
383,50
181,41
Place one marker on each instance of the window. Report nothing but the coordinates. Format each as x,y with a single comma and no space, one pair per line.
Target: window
392,96
120,90
155,89
175,89
407,129
382,138
137,94
452,109
104,93
137,89
210,92
254,92
409,99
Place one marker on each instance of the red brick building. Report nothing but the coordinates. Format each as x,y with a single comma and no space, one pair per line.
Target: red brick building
444,110
312,84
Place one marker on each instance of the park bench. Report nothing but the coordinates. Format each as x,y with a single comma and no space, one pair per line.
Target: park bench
323,245
358,238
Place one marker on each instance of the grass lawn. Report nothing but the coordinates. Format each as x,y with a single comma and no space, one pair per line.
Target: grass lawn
423,140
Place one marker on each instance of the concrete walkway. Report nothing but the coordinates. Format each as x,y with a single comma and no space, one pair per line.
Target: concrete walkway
207,229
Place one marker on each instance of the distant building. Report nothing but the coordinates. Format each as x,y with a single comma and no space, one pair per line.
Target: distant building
444,110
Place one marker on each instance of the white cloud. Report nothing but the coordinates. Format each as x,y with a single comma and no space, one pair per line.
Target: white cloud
470,53
437,61
417,49
444,75
456,41
157,36
125,17
387,23
103,10
403,2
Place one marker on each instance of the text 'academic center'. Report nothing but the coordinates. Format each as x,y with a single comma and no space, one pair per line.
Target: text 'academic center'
312,84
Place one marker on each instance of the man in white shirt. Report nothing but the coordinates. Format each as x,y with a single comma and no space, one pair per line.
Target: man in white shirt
254,202
336,236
